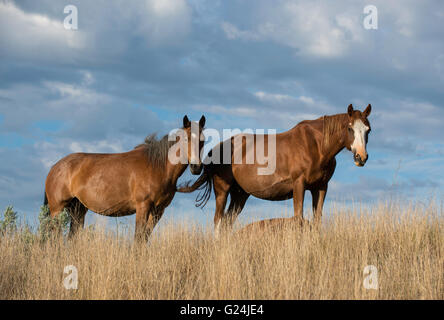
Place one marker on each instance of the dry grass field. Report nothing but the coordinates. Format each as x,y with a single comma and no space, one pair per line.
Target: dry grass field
406,244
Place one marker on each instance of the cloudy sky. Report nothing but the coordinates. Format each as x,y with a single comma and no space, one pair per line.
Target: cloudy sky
137,67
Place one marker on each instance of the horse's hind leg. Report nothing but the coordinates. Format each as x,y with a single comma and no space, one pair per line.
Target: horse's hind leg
77,212
56,206
57,191
221,190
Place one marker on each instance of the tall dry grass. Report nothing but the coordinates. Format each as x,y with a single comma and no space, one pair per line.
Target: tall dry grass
404,243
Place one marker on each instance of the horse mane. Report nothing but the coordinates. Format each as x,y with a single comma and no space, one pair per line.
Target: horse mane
333,125
157,149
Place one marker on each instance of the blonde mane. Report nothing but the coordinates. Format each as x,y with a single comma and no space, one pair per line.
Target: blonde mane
157,149
332,127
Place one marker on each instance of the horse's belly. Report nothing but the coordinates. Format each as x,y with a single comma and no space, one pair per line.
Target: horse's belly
267,187
275,192
101,195
109,208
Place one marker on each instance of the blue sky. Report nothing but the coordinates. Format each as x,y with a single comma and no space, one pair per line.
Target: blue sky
137,67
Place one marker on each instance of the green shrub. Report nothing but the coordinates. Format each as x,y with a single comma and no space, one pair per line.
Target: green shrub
27,237
49,226
9,222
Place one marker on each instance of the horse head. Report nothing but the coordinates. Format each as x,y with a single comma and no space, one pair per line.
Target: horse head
358,129
195,142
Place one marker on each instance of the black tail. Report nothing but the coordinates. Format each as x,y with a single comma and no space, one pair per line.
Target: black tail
205,181
45,201
45,204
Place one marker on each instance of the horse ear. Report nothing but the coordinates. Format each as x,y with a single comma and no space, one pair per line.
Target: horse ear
186,122
350,110
367,110
202,122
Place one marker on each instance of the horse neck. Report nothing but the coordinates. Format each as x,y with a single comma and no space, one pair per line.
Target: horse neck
174,171
333,139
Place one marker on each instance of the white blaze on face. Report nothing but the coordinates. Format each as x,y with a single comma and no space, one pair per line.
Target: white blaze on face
195,139
358,145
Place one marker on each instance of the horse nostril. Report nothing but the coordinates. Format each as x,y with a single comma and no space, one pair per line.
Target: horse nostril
195,168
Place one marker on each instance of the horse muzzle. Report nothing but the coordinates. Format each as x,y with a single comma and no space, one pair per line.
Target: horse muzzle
359,161
196,168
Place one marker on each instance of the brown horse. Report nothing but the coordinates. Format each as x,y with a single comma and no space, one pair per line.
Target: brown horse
304,159
141,181
273,226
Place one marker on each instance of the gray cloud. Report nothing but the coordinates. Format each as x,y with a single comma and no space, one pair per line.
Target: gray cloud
137,67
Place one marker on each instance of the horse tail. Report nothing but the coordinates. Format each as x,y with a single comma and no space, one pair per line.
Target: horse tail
45,200
45,207
204,182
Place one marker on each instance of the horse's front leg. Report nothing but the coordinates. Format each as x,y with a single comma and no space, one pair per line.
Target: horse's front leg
318,196
143,210
153,219
298,199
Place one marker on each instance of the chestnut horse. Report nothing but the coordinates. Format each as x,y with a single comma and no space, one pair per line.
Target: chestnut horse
141,181
305,160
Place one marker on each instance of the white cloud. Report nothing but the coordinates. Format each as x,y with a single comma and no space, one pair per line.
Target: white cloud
39,37
164,21
423,119
270,97
303,105
283,98
26,34
75,94
232,32
313,29
88,78
168,8
83,112
242,111
102,146
50,152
